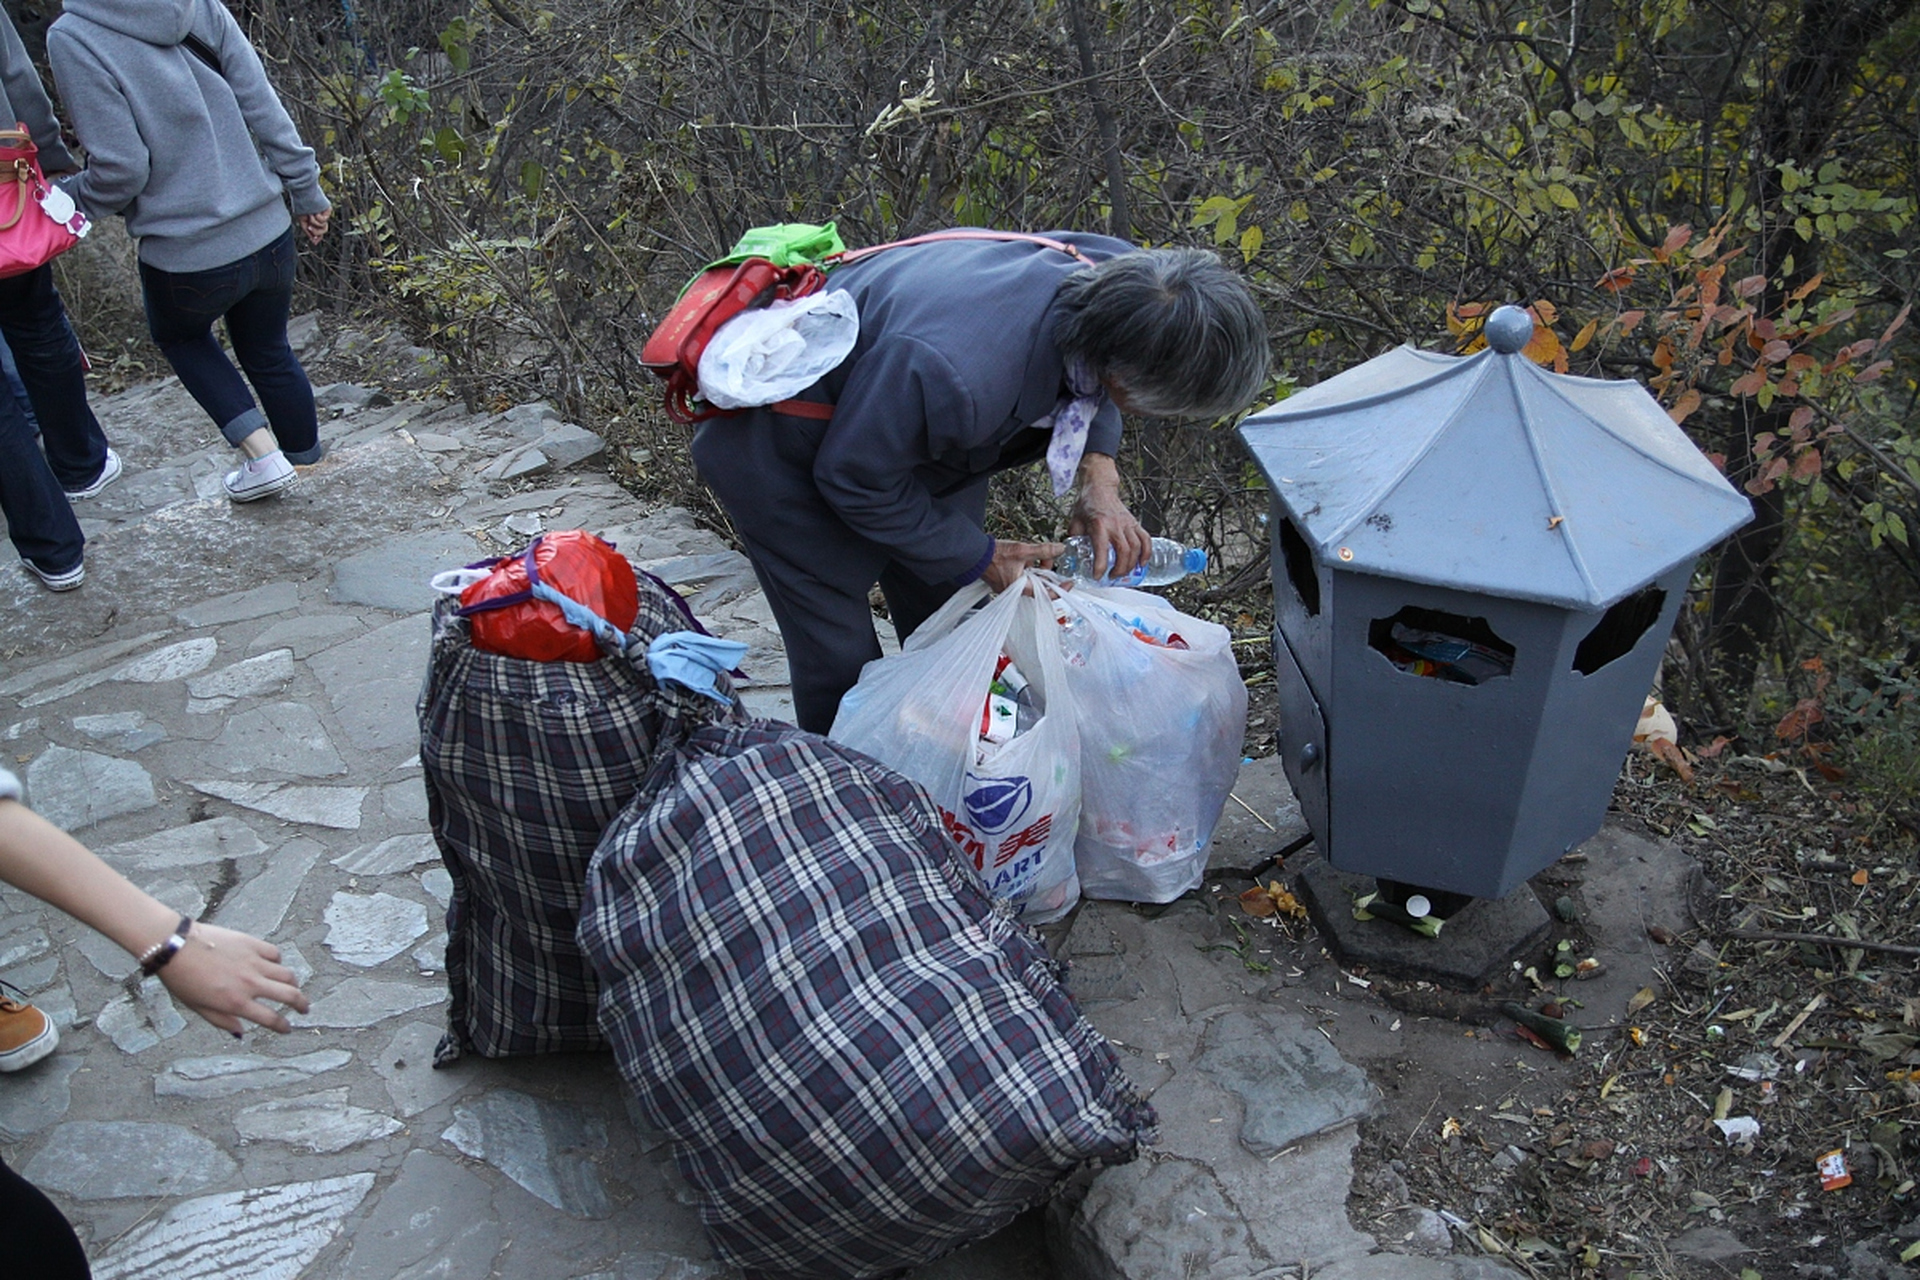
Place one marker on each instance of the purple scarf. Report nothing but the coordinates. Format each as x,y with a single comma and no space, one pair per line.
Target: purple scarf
1069,421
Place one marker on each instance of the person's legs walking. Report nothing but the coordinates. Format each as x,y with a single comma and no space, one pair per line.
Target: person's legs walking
257,328
181,309
39,518
51,369
11,372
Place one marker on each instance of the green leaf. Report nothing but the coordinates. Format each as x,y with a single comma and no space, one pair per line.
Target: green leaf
1562,195
532,178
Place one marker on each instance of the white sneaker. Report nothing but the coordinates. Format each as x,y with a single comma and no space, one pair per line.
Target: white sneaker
65,580
109,472
261,478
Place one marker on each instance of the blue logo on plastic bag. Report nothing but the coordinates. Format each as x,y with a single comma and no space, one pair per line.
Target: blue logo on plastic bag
996,804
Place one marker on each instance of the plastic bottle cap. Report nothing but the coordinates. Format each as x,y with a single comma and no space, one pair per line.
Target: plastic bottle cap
1195,561
1418,906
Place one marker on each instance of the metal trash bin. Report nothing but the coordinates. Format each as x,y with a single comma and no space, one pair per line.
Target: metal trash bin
1477,563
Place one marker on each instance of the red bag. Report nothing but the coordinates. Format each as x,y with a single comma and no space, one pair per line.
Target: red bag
716,296
29,235
506,617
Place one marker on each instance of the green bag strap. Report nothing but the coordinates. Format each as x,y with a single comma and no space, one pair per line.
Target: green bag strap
785,244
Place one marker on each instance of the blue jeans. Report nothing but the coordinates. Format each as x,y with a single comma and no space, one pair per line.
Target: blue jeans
11,371
253,295
32,483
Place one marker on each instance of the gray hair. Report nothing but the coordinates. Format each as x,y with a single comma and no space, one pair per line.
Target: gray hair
1174,331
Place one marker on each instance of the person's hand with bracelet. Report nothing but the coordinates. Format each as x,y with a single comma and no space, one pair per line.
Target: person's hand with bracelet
222,975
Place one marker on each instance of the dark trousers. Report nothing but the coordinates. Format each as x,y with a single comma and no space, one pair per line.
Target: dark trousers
33,483
816,571
253,295
36,1240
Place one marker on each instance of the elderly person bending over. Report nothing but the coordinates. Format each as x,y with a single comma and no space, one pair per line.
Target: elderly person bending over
974,356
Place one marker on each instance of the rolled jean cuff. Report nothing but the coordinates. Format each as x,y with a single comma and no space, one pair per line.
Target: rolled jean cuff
307,457
243,426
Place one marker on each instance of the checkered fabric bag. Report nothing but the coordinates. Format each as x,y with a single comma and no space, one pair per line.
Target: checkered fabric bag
863,1061
526,763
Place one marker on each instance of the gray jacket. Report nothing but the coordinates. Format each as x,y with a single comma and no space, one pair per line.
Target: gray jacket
200,162
10,785
955,359
23,99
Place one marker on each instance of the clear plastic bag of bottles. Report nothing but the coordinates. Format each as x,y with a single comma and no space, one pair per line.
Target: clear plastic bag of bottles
1162,714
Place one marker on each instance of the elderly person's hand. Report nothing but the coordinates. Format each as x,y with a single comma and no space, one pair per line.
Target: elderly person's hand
1011,559
1102,516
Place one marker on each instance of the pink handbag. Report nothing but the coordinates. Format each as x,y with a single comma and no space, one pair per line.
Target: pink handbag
30,234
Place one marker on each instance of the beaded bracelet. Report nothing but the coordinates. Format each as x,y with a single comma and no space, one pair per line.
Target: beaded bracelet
156,957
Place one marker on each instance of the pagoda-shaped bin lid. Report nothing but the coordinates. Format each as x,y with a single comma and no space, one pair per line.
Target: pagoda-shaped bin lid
1487,473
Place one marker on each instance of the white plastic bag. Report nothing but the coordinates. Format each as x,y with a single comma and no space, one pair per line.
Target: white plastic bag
770,353
1014,808
1161,731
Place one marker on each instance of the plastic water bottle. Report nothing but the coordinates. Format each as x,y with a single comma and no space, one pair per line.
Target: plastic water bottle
1169,562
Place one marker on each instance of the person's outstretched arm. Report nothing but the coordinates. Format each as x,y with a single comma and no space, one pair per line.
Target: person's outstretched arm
221,975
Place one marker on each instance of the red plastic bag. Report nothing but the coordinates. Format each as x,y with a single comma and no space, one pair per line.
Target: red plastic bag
506,618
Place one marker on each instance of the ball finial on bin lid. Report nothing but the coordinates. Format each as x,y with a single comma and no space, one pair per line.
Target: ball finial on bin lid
1509,329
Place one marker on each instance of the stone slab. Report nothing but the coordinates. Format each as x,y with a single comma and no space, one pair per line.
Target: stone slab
322,1122
1478,942
362,1002
393,575
272,1233
540,1145
257,602
1291,1082
75,789
436,1219
373,680
284,738
106,1160
32,1100
250,677
337,807
214,840
1261,817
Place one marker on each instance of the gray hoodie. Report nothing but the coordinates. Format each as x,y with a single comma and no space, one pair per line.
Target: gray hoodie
200,162
23,100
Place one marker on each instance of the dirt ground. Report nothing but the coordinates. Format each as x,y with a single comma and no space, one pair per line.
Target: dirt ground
1608,1162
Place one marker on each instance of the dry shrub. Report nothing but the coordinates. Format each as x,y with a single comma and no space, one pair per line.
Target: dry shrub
99,280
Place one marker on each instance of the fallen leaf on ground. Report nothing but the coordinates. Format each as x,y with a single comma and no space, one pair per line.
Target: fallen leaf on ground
1669,753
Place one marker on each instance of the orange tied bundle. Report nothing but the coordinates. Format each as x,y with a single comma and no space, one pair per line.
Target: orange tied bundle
511,611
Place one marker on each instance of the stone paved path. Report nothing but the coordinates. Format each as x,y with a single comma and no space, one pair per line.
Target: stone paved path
225,712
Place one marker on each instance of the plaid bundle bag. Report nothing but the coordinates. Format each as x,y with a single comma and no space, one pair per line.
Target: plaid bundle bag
864,1062
526,763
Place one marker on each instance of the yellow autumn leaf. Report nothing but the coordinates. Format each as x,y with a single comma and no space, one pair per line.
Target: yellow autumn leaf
1250,241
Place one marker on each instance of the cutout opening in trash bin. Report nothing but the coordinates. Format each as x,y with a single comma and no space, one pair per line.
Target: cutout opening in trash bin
1297,559
1443,646
1619,630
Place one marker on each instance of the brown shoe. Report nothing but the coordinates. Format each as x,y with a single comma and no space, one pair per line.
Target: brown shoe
26,1035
